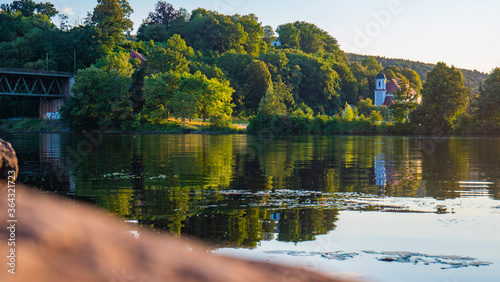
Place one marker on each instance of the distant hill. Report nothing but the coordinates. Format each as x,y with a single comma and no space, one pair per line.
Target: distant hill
472,79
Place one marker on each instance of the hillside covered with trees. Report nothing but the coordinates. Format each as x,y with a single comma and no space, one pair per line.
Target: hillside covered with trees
472,78
210,66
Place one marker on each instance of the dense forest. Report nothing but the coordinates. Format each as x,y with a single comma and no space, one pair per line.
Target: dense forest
203,65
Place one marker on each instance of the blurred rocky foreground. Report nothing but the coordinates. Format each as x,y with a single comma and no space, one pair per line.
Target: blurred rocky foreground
60,240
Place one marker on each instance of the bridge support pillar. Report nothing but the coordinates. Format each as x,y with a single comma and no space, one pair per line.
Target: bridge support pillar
49,107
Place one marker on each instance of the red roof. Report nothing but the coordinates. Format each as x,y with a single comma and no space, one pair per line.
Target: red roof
139,56
392,86
389,100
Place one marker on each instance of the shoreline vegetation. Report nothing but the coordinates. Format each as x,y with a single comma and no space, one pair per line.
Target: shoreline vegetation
271,125
206,66
169,127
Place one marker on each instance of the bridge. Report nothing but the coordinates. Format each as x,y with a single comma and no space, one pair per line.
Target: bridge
53,88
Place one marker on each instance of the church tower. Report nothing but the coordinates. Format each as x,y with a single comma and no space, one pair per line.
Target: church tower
380,89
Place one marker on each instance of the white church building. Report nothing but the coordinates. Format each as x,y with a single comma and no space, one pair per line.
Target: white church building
384,90
380,89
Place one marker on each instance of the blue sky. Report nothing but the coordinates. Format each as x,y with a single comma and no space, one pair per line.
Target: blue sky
463,33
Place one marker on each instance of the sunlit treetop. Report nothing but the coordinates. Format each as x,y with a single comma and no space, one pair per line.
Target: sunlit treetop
29,8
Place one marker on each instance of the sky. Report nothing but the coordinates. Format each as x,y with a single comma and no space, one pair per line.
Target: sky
462,33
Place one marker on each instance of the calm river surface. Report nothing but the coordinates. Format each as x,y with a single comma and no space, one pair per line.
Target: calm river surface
375,207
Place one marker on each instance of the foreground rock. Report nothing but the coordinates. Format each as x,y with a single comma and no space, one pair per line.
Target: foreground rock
60,240
8,164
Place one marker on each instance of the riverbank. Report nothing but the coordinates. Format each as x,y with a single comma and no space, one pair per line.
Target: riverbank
33,125
171,126
268,126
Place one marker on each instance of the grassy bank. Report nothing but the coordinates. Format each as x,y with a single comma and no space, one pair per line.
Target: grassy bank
168,126
176,126
32,125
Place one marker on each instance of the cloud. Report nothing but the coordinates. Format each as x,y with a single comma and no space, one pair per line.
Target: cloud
68,10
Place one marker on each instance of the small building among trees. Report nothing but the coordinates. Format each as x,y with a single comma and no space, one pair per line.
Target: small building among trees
139,56
384,90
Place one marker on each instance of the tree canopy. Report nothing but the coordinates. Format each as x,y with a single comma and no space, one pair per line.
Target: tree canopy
444,98
164,14
101,96
487,105
112,18
308,37
29,8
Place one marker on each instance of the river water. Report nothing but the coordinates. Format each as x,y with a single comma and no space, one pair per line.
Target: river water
373,207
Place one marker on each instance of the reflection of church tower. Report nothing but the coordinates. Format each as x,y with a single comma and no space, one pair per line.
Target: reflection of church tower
380,89
380,173
379,164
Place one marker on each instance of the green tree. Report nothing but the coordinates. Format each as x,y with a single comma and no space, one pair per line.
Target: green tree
112,17
375,117
187,96
162,60
276,61
185,99
199,96
174,56
308,37
278,100
234,65
394,69
487,113
25,40
372,65
313,39
315,82
101,99
269,34
89,45
176,43
208,30
211,71
348,113
155,32
289,35
444,98
214,99
361,75
366,107
389,74
102,96
159,90
413,78
405,101
117,64
257,83
349,85
46,9
29,8
254,44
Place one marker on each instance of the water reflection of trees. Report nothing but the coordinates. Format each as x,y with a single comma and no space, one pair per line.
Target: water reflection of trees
173,182
246,227
456,159
303,224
